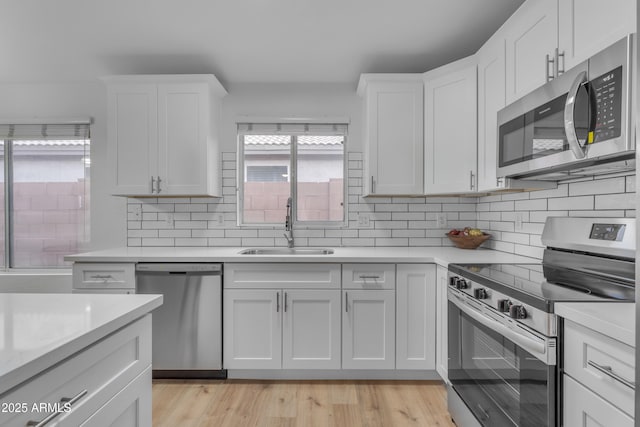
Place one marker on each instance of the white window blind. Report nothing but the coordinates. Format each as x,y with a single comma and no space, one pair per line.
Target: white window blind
58,131
292,128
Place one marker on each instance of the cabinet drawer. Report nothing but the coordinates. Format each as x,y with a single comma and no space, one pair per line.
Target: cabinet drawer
94,375
369,276
589,355
103,276
582,407
277,276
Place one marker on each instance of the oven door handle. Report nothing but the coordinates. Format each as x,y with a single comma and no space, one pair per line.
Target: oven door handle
536,348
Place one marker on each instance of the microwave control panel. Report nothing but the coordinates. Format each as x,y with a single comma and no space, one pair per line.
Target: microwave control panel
607,91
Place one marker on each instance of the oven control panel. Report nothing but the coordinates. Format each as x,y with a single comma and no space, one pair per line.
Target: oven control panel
510,307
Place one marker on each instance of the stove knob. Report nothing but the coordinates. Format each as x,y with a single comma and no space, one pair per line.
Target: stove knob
453,280
480,293
517,312
504,305
461,284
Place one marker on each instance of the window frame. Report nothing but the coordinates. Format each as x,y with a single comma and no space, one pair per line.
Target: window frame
8,260
293,181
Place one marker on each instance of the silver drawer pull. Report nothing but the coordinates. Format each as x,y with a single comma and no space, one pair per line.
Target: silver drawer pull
65,401
102,276
608,371
367,276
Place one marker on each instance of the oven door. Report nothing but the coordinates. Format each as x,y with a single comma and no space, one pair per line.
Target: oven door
501,382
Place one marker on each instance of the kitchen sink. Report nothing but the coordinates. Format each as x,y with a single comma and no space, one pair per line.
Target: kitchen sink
287,251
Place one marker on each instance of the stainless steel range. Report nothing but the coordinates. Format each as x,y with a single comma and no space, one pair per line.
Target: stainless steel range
504,337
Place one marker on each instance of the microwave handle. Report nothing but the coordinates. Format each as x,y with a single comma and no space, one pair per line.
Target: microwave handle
569,106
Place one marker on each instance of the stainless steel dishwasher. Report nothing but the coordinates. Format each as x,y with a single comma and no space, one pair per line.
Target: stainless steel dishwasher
187,328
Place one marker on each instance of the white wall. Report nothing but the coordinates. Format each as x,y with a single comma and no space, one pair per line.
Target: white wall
76,100
287,100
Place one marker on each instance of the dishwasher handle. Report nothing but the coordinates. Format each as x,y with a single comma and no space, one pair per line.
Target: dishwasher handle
208,269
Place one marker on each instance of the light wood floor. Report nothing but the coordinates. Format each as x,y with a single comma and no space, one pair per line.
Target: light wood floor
236,403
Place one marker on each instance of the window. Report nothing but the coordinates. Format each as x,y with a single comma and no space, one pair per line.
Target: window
45,186
301,161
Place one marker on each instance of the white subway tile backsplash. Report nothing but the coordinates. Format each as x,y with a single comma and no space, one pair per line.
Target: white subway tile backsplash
191,241
615,201
531,205
394,221
570,203
600,186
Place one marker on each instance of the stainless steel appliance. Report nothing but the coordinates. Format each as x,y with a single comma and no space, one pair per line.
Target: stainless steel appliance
577,124
187,328
504,338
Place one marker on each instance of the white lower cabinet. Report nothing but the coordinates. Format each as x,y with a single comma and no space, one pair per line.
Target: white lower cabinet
415,316
102,384
252,329
311,329
368,329
274,329
442,360
584,408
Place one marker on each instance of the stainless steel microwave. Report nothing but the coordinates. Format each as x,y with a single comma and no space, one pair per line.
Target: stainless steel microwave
577,124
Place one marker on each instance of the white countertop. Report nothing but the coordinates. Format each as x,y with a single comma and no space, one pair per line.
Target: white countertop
439,255
614,319
40,330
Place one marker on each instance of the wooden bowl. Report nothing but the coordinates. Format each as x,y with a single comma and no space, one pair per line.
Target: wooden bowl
468,242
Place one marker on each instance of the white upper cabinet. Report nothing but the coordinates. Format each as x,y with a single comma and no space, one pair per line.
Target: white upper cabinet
162,135
393,130
588,26
531,35
491,98
451,128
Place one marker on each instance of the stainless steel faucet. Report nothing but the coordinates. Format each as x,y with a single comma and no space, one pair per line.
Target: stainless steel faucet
288,225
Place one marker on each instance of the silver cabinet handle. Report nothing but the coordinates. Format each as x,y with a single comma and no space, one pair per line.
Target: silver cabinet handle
372,185
285,302
153,185
569,125
158,186
369,276
608,371
346,302
471,180
559,71
104,277
550,62
65,401
277,302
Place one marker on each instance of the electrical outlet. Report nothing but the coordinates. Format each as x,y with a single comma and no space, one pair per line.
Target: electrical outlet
441,219
217,220
168,219
519,218
136,211
364,221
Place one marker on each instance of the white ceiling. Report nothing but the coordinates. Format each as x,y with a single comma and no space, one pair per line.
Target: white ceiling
240,41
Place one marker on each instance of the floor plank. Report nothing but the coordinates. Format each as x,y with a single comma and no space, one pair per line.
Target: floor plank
240,403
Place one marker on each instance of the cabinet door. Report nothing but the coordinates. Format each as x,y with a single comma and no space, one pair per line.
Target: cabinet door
368,329
441,322
311,329
395,138
583,408
451,128
183,116
132,134
416,316
252,332
588,26
491,98
531,34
